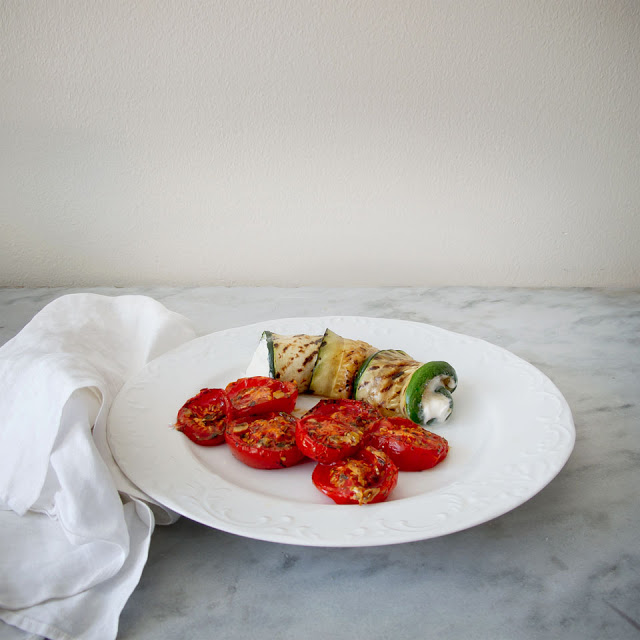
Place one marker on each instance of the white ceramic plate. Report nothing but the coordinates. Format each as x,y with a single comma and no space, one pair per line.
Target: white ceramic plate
510,434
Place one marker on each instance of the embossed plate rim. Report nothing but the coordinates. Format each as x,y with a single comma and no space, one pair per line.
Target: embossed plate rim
508,471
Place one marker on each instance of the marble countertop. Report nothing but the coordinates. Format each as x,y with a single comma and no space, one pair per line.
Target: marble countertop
566,564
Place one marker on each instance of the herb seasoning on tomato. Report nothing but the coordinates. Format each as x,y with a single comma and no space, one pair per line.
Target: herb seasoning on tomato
264,442
409,445
356,413
203,418
367,477
327,440
334,429
259,395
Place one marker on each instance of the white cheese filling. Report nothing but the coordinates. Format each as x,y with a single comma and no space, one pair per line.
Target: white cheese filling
435,406
259,365
441,381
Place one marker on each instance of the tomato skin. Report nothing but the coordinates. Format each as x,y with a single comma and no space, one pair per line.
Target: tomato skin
365,478
203,418
334,429
260,395
327,440
409,445
265,441
355,412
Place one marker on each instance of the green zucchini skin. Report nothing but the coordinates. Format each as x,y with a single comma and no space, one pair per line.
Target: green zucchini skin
361,370
396,384
390,379
339,360
382,381
433,377
268,338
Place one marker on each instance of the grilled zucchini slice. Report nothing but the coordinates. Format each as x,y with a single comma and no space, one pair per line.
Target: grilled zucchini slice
339,360
288,358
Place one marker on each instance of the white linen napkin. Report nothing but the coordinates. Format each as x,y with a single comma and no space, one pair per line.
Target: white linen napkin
74,531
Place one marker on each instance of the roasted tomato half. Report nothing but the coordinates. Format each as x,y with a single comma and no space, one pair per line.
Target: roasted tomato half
265,442
367,477
355,412
325,439
334,429
410,446
203,418
260,395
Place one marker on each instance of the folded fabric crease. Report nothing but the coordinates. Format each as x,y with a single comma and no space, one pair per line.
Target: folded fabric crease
74,531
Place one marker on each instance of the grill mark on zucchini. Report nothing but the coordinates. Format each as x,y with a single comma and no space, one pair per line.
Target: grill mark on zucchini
390,380
308,359
384,381
339,359
294,358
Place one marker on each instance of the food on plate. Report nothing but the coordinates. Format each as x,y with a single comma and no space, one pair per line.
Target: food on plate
290,358
203,418
265,441
361,414
396,384
358,452
334,429
337,367
337,364
259,395
411,447
367,477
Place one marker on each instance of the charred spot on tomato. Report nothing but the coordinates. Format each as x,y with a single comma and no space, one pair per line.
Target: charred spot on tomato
266,441
203,418
334,429
367,477
260,395
267,432
409,445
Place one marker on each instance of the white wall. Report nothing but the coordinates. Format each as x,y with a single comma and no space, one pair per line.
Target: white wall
318,142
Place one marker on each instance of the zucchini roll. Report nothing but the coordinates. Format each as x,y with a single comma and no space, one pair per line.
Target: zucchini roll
336,367
395,384
288,358
339,360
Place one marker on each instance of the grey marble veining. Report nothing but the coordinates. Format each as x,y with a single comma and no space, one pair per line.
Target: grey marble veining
566,564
